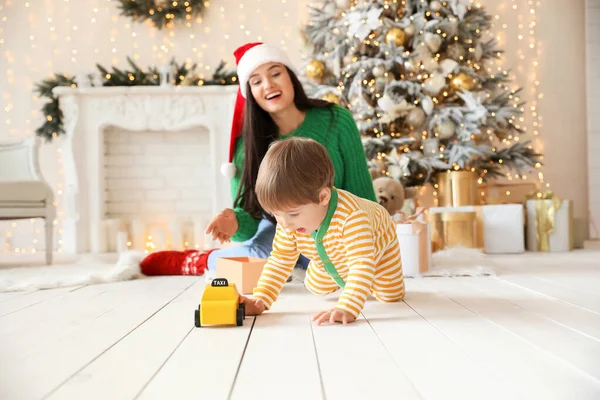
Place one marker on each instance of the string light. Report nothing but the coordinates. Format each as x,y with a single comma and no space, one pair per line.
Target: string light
524,26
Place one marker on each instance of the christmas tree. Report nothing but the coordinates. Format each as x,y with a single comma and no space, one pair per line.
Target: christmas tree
416,76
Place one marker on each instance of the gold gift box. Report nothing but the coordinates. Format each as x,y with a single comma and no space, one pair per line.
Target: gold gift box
506,193
457,188
452,229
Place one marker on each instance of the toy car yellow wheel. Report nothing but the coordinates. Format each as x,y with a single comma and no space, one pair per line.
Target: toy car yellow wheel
197,317
240,316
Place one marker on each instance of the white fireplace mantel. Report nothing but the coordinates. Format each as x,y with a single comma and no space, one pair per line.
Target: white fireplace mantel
88,111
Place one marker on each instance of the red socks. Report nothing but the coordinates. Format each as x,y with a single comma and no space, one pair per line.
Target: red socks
172,262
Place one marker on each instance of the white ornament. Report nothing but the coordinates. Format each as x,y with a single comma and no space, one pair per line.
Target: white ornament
434,84
445,129
410,30
433,41
392,110
378,71
228,170
427,104
329,8
435,5
447,66
343,4
360,26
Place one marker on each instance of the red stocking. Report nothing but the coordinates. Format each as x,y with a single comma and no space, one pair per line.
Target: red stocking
172,262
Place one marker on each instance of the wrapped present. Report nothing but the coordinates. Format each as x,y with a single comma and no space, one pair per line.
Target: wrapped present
506,192
498,228
243,271
415,246
549,223
452,228
457,188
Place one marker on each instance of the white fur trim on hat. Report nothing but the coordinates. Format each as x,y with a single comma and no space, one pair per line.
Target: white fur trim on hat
257,56
228,170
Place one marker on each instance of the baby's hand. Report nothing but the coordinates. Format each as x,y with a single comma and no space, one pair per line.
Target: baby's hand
253,306
332,316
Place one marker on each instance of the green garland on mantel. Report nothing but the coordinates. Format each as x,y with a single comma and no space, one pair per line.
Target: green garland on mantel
162,13
183,76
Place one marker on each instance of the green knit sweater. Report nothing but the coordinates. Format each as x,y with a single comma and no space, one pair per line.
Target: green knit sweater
344,146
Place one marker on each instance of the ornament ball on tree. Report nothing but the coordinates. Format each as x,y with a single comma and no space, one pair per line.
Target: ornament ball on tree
462,81
315,70
396,36
415,118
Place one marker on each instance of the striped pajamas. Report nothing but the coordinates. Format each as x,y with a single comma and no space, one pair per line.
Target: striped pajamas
362,244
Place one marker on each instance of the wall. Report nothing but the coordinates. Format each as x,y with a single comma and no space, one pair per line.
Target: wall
593,106
39,37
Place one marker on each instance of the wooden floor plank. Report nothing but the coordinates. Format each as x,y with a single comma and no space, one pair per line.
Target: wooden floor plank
145,349
581,352
4,296
524,367
439,368
54,365
568,295
203,366
28,300
355,364
575,318
33,329
281,352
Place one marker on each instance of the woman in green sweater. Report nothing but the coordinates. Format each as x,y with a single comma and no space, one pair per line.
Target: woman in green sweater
274,107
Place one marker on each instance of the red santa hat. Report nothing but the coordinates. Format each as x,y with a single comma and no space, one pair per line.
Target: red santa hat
248,57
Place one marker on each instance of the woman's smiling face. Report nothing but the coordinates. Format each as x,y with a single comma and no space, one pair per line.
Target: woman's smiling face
272,87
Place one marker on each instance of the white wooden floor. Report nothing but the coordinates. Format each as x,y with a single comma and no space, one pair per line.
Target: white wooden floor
532,332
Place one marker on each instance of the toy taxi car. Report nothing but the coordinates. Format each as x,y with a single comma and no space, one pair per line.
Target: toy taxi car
220,305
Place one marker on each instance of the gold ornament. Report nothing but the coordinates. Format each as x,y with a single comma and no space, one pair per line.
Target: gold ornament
331,97
395,35
462,81
315,70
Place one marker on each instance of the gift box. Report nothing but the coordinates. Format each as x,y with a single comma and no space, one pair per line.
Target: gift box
415,247
549,224
452,228
506,193
243,271
498,228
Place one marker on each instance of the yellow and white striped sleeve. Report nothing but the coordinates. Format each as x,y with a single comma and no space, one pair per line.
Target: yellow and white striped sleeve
278,267
357,235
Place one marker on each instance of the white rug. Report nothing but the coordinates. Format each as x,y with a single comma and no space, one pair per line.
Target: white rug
461,262
71,271
89,270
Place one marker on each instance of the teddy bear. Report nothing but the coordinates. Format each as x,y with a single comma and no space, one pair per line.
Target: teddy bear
391,194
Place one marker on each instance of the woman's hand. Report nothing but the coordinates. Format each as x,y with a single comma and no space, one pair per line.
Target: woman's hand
332,316
223,226
253,306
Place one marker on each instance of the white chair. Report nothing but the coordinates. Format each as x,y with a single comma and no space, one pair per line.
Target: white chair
24,193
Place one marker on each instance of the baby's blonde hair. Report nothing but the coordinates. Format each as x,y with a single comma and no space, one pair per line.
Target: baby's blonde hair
292,173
